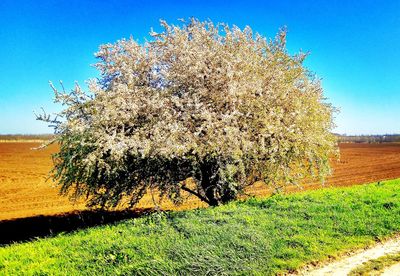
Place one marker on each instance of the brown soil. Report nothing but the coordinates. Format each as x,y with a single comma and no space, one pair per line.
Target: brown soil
24,191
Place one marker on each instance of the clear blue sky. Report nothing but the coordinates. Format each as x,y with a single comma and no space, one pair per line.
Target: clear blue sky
354,46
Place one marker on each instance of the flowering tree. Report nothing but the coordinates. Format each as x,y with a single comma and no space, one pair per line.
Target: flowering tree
219,106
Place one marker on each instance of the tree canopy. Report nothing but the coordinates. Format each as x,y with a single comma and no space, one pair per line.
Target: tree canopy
213,104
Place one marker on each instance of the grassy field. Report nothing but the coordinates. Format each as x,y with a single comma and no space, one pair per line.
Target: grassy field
256,236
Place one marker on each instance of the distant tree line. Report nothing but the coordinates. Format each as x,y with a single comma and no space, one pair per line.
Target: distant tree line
16,137
387,138
342,138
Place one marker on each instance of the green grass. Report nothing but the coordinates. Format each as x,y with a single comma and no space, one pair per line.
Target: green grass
257,236
376,266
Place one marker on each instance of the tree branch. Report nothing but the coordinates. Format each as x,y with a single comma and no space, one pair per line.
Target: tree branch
202,198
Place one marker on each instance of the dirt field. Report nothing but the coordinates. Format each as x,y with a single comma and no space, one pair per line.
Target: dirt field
24,191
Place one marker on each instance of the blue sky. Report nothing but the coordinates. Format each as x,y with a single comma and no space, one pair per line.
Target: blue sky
354,47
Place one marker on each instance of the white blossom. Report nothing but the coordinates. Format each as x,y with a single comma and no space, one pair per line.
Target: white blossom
194,94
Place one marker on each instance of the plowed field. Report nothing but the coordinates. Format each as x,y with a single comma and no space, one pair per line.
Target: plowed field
25,192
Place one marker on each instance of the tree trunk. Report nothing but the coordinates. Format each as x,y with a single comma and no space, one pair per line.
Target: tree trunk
209,183
210,190
217,193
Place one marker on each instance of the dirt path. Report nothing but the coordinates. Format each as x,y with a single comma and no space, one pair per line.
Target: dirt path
393,270
345,265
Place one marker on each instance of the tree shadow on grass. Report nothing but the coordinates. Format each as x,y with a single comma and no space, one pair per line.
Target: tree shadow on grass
26,229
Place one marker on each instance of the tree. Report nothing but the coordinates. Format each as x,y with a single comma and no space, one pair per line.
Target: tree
202,108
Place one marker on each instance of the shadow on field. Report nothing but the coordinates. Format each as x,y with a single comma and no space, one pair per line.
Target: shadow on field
25,229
